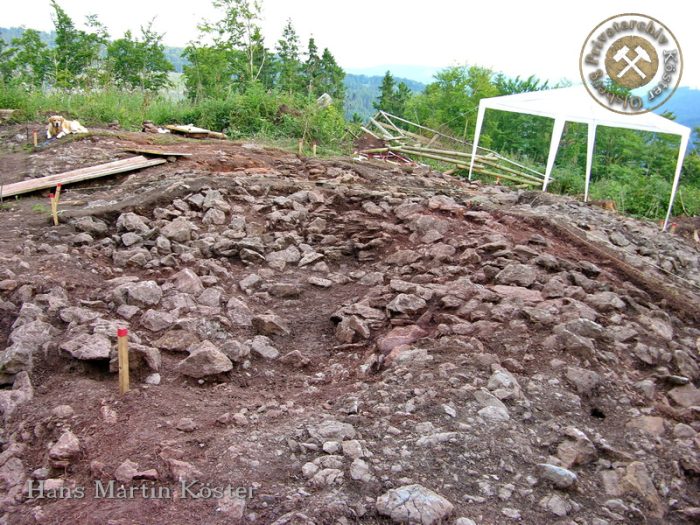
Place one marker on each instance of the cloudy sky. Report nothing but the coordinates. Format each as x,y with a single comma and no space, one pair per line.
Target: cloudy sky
516,37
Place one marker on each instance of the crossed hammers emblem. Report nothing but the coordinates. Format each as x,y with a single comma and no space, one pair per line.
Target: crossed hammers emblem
622,54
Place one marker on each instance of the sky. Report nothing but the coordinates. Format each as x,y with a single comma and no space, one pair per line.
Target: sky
515,37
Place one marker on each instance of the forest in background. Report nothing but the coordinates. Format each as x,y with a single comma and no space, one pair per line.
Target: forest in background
236,82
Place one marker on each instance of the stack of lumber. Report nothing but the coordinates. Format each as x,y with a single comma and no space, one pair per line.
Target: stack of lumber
395,132
92,172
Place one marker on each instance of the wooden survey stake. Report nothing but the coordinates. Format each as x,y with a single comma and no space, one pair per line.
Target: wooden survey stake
58,192
54,208
36,139
123,351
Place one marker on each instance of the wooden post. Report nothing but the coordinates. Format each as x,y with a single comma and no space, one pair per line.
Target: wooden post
313,149
301,146
123,351
58,192
54,208
36,139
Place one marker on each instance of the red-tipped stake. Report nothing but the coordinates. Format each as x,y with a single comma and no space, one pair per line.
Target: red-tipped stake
123,353
54,208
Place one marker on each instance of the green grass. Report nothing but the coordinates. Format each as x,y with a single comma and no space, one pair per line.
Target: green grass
253,113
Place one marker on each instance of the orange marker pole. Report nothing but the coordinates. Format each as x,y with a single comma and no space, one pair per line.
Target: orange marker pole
54,208
123,352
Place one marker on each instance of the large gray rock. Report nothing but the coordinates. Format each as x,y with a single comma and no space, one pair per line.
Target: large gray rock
584,380
16,358
204,360
605,301
32,334
238,312
517,274
187,281
141,357
414,504
401,335
90,225
156,321
179,230
331,430
65,449
407,304
262,346
22,392
141,293
88,347
132,222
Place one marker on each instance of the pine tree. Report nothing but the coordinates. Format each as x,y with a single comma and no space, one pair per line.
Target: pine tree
289,66
386,93
330,78
311,68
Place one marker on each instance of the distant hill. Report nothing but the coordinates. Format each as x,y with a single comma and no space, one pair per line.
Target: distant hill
362,90
421,74
685,104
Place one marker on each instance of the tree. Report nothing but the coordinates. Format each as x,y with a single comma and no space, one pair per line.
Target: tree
392,98
289,65
452,100
311,68
27,60
75,50
238,33
139,64
330,78
208,73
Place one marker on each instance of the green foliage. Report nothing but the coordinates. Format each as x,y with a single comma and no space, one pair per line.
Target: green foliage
140,64
392,98
76,51
451,102
208,74
330,79
289,65
238,33
27,61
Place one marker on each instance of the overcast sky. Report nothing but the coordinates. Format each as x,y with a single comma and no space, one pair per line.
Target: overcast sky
516,37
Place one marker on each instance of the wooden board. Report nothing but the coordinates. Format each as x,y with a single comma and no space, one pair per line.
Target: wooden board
196,132
92,172
158,153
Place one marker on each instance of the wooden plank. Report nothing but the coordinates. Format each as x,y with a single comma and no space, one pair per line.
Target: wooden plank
194,130
92,172
157,153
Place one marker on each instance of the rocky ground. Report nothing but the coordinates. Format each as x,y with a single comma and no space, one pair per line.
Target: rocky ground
346,342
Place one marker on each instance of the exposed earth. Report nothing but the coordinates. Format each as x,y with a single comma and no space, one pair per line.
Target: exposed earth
345,341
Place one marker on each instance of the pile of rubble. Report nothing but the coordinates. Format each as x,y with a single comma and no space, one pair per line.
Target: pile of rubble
352,344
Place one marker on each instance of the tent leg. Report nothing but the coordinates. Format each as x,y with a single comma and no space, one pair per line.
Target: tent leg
676,177
589,158
477,133
553,147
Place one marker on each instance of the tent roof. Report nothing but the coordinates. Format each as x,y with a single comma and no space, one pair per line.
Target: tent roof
575,104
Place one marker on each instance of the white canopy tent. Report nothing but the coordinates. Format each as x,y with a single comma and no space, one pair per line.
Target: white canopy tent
575,104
